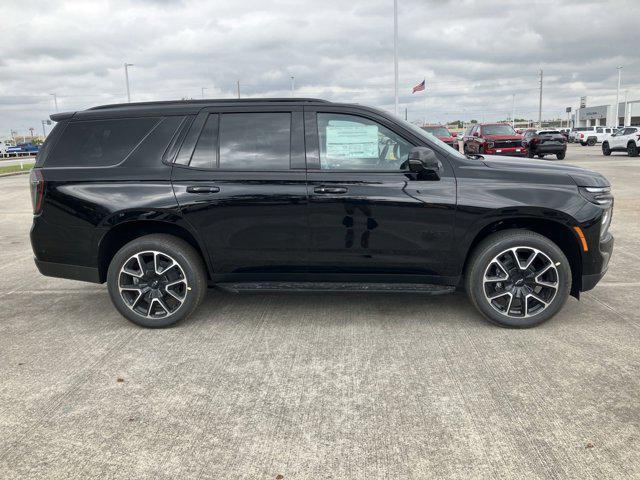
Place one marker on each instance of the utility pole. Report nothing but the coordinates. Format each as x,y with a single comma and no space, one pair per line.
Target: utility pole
55,100
202,89
405,114
293,85
513,110
126,77
618,97
238,86
540,103
395,54
44,134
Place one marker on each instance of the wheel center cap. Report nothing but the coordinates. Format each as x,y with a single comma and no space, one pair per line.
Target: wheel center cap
519,282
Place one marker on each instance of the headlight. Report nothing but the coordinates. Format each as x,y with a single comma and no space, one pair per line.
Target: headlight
605,222
597,195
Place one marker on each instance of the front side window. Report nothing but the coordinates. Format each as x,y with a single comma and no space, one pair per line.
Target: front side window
255,141
349,142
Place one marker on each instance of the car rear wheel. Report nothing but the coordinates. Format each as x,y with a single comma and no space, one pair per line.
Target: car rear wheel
606,151
156,280
560,156
632,149
518,278
591,142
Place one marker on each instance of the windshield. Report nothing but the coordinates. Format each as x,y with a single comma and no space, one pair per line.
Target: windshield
429,137
498,130
437,131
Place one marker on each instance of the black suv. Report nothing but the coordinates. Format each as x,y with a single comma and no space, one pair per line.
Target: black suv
161,200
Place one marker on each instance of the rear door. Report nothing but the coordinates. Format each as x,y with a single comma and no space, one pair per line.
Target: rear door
367,214
240,181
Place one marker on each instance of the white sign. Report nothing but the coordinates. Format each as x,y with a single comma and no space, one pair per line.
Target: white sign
352,140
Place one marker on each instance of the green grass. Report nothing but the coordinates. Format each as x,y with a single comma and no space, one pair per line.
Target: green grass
16,168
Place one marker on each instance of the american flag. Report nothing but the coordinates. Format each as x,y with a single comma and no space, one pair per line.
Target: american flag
419,87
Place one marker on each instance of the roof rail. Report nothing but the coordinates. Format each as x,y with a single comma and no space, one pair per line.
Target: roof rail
208,101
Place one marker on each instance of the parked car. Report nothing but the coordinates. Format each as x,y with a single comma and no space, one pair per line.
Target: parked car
442,133
626,139
587,136
3,148
23,148
545,142
573,133
493,139
160,200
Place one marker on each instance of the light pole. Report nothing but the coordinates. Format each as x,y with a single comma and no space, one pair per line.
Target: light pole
238,86
540,103
513,110
55,100
395,54
618,97
126,77
202,90
293,85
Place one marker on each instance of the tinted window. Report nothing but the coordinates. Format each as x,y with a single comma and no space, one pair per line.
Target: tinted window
205,155
255,141
348,142
99,142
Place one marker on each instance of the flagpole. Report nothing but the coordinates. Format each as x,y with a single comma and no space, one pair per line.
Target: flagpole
395,54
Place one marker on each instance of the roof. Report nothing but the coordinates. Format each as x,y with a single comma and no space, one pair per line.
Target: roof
177,107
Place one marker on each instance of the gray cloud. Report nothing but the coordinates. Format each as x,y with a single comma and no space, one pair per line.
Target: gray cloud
474,54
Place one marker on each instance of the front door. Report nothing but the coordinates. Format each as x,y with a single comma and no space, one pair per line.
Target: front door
368,215
240,182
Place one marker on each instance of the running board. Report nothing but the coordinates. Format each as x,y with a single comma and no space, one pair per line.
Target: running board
252,287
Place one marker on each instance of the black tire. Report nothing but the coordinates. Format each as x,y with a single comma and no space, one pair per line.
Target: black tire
632,149
481,260
189,266
540,155
591,142
606,151
561,155
530,153
584,144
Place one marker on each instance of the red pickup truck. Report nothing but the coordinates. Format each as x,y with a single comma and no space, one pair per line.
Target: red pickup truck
493,139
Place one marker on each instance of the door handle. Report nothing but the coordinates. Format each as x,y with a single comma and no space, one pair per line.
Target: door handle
330,190
203,189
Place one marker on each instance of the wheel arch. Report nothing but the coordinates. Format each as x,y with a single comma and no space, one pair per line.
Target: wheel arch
560,234
123,233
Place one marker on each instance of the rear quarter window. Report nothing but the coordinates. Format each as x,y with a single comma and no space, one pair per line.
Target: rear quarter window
99,143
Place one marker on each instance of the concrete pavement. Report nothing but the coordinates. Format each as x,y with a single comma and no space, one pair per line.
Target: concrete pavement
311,386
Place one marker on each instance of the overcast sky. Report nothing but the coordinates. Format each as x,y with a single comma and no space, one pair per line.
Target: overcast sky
474,54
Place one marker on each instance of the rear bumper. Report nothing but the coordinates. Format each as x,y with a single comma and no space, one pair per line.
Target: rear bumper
551,148
64,270
509,151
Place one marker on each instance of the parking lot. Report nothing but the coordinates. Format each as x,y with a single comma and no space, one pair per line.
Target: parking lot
344,386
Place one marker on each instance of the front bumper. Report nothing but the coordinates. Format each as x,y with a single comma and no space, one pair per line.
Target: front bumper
599,263
509,151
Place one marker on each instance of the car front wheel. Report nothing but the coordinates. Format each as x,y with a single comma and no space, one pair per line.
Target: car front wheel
606,150
518,278
561,155
632,149
156,280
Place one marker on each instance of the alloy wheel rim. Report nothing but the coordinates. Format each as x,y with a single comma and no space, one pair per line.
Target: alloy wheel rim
520,282
152,284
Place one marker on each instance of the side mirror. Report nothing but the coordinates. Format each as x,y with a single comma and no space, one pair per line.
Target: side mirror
476,134
423,162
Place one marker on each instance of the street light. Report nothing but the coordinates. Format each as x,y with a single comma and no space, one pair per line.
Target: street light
126,77
293,84
618,97
55,100
395,54
203,89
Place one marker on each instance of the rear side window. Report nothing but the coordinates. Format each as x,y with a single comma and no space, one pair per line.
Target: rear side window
99,143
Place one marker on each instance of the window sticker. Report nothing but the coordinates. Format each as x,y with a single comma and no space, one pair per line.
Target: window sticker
352,140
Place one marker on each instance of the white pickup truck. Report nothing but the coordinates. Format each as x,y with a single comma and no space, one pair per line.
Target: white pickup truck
593,135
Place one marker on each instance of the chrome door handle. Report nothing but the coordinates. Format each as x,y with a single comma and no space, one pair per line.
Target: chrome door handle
330,190
203,189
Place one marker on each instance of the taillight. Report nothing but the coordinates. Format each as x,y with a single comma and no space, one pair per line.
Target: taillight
582,135
36,183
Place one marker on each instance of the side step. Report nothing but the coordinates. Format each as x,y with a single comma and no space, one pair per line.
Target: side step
252,287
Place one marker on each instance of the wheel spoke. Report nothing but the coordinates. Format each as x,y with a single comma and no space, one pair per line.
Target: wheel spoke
501,294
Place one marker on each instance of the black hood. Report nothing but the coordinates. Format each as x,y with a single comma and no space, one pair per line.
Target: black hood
581,176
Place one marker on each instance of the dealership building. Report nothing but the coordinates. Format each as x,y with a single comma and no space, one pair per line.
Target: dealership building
628,114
